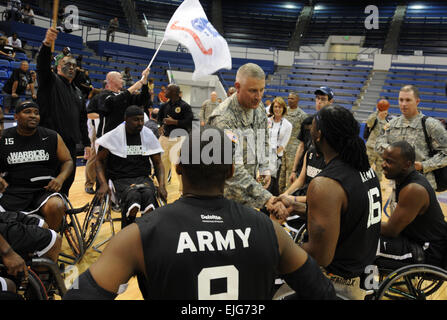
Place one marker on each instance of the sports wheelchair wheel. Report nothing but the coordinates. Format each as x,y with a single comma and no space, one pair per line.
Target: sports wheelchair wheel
71,230
37,286
94,218
412,282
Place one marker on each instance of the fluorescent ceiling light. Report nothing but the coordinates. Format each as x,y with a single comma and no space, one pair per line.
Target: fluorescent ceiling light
290,6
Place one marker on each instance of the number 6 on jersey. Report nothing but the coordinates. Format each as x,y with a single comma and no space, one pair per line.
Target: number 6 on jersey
375,210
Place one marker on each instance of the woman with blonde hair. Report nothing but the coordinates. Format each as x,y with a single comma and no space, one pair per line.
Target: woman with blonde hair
280,131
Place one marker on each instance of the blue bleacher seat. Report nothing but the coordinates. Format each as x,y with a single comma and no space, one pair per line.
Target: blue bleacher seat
15,64
21,56
4,65
4,75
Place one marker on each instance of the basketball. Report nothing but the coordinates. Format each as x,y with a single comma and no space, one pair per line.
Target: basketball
383,105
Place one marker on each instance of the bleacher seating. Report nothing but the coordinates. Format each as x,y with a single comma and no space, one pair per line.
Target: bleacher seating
346,78
430,81
98,13
260,24
347,20
424,28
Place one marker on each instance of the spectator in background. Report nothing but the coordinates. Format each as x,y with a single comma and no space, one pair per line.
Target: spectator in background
114,100
151,86
62,107
65,52
208,107
17,85
33,84
375,127
13,8
15,43
174,114
127,77
408,127
113,26
280,130
83,82
153,123
28,14
6,51
230,91
79,61
162,95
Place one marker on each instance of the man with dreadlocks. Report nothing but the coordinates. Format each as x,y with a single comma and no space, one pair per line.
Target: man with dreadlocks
344,203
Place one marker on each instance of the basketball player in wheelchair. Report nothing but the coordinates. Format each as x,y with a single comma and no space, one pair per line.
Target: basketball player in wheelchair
35,162
124,156
414,238
28,256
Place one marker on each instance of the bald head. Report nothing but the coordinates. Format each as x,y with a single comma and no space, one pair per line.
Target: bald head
213,96
114,81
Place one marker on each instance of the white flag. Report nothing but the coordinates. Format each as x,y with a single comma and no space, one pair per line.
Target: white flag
190,26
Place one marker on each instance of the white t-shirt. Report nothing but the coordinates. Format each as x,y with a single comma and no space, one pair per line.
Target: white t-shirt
15,43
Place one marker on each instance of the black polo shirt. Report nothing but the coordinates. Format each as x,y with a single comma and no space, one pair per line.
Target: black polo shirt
178,110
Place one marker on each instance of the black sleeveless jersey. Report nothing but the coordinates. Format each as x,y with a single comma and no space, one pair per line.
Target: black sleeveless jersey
427,229
360,223
314,164
29,162
208,248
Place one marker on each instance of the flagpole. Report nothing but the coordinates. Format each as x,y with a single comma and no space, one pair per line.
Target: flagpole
54,21
155,54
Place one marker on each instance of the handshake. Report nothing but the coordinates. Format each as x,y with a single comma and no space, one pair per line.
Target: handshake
283,206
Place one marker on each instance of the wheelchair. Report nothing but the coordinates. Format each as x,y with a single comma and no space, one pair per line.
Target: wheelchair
103,213
412,282
81,236
40,285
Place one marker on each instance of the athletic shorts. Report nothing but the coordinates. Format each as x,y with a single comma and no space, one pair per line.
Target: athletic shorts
26,202
25,234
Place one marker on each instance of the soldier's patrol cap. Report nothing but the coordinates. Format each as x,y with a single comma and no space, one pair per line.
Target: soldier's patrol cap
326,91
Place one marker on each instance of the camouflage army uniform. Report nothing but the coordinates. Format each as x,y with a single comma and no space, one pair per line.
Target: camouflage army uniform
207,108
375,159
233,118
411,131
295,117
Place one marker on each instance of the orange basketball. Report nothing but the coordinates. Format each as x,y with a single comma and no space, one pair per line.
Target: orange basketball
383,105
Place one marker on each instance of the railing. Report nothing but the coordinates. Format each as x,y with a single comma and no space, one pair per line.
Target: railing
365,54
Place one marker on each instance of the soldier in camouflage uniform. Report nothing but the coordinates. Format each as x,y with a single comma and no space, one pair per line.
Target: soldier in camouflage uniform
295,116
208,107
408,127
243,115
375,159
